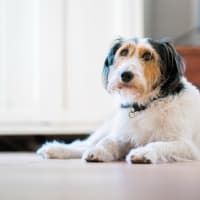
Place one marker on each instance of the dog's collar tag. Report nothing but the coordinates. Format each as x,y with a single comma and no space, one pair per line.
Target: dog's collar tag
132,113
134,108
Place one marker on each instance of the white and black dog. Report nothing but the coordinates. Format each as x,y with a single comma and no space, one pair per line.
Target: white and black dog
158,120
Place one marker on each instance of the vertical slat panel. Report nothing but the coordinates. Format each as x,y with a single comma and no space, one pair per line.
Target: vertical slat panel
128,21
2,55
89,34
21,54
51,57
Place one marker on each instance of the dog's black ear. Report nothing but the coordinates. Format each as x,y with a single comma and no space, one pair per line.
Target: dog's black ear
110,60
176,59
172,66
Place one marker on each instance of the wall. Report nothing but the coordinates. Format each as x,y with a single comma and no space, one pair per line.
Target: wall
169,18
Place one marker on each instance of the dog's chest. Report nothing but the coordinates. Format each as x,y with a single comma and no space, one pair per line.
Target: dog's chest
139,128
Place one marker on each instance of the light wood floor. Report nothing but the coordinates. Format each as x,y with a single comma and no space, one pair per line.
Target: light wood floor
28,177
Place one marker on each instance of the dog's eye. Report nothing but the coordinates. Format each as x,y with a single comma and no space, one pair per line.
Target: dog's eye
124,52
147,56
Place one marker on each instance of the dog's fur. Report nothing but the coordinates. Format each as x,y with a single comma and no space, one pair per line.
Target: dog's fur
166,129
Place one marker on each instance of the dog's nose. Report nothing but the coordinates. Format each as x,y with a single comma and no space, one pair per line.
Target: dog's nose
127,76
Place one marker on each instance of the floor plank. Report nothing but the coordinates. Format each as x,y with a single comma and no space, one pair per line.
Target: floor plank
25,176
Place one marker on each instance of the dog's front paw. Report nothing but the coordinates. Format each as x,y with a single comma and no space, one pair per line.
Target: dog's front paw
97,154
143,155
51,150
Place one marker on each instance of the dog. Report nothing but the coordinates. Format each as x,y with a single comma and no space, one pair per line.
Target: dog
158,117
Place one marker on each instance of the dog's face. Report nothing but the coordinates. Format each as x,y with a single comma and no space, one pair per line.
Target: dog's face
135,68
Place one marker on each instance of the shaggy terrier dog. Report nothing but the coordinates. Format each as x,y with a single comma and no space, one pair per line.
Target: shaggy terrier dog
158,119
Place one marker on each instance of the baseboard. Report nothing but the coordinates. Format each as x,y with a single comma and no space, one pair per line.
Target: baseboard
32,142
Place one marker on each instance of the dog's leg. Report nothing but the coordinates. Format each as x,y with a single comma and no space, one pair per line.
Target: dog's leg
60,150
156,152
108,149
74,150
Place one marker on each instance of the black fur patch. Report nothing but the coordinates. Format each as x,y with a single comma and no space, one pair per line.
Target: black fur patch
110,60
172,67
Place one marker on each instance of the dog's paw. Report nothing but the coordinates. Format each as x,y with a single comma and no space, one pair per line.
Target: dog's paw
52,150
143,155
97,155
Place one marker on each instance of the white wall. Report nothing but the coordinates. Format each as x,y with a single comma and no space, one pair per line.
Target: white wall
170,18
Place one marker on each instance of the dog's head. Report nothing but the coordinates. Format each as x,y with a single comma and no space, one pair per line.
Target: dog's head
138,68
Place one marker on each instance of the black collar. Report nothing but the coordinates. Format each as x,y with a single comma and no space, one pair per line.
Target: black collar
135,107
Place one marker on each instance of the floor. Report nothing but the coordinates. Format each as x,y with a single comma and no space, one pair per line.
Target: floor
25,176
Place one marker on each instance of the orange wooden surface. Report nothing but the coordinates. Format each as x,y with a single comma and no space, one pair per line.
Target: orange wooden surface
191,56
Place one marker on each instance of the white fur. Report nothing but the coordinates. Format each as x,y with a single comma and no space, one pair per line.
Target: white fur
168,130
